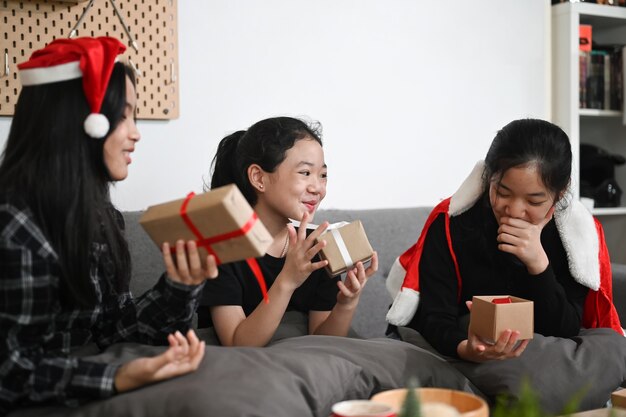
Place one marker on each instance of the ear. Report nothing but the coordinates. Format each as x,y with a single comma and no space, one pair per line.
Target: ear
257,177
563,193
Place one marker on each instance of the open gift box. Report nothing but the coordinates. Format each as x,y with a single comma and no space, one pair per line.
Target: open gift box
490,315
346,244
221,222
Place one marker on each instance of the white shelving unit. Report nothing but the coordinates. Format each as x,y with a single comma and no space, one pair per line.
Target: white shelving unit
603,128
607,211
600,113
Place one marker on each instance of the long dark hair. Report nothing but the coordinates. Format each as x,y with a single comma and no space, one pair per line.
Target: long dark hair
532,141
59,172
265,143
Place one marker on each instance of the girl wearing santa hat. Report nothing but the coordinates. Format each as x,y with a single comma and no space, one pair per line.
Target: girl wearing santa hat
510,229
64,263
279,166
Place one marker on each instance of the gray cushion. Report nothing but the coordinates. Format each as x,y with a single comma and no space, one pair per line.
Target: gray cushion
299,376
232,382
147,263
587,367
619,290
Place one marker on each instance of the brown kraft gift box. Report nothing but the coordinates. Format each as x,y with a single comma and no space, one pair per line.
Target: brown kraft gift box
488,319
618,398
220,220
351,236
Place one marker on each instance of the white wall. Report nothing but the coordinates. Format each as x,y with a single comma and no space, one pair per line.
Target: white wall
409,92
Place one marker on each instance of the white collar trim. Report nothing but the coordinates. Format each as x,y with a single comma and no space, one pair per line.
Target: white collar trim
575,224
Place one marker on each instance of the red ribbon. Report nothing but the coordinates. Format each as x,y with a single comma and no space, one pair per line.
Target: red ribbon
206,243
504,300
256,270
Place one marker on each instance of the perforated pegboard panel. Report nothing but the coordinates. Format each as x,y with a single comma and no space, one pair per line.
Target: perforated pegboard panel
28,25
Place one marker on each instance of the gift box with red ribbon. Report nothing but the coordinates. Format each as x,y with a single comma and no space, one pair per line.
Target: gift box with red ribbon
490,315
220,221
346,244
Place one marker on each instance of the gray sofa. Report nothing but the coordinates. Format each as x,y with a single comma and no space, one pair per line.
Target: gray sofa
304,376
390,232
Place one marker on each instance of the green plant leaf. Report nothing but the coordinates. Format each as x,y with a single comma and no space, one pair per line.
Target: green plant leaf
411,406
528,404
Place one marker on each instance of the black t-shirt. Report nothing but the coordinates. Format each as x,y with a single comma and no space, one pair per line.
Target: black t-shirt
237,285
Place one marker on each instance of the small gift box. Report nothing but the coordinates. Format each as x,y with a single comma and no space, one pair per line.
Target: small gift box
490,315
220,221
346,244
618,398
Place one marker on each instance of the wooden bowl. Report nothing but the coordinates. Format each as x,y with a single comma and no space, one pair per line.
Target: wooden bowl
468,405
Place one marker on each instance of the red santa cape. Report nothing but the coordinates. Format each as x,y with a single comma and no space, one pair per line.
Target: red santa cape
580,232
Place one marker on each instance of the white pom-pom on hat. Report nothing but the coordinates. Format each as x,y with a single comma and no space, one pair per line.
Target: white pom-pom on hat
65,59
96,125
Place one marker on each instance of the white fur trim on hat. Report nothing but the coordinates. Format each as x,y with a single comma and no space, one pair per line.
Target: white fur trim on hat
404,307
96,125
395,278
45,75
580,240
469,191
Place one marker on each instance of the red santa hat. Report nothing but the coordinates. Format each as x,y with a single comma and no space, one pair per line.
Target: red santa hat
67,59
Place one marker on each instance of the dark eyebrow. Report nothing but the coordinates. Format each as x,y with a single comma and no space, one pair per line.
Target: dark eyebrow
539,194
309,164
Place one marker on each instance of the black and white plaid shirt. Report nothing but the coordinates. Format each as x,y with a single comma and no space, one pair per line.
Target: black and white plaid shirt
38,332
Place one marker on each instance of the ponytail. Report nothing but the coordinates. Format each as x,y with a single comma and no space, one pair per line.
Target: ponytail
225,163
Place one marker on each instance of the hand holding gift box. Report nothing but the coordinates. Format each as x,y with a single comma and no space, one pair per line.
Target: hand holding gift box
220,221
490,315
346,244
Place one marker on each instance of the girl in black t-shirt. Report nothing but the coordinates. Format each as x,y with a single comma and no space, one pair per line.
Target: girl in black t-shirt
278,164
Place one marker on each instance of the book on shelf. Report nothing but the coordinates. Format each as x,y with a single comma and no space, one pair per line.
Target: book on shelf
601,77
584,37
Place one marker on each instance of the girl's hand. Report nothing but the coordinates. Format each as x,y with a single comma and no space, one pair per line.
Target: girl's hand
302,249
187,269
183,356
356,278
523,239
473,349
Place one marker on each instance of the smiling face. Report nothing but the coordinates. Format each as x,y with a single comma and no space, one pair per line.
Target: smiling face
520,194
298,184
121,142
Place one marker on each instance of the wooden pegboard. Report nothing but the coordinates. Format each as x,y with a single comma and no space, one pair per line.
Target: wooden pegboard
28,25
